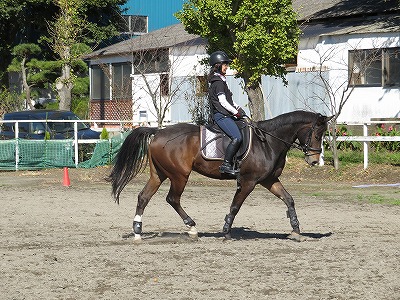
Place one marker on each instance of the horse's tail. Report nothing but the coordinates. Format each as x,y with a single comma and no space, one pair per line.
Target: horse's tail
131,159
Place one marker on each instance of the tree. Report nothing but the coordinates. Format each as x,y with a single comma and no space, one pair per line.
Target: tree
261,35
26,21
10,101
66,32
197,99
22,54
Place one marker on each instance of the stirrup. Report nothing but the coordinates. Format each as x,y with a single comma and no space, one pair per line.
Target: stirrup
228,169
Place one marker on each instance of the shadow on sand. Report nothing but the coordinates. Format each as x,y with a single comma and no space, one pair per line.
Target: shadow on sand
243,233
240,233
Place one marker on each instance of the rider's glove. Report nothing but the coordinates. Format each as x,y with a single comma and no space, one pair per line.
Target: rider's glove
240,114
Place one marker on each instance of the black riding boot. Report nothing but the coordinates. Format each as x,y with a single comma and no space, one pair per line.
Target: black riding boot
227,165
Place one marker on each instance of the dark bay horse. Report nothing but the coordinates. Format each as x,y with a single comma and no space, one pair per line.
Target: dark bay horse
173,152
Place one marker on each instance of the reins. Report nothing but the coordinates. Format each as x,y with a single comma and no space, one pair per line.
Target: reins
260,133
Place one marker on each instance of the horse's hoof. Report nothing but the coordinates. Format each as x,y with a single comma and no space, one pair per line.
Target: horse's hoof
193,234
297,237
137,239
227,237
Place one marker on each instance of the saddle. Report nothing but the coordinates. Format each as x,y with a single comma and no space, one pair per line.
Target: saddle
213,141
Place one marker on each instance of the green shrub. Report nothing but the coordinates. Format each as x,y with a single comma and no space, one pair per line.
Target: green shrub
344,145
10,101
104,134
381,130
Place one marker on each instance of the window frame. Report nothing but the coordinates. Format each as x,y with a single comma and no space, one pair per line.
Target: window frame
391,69
121,81
374,63
100,85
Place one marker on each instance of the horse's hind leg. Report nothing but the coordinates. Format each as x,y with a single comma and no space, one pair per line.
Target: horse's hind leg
276,188
144,197
174,199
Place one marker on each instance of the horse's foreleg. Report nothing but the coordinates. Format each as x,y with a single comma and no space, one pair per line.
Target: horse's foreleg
240,195
276,188
174,199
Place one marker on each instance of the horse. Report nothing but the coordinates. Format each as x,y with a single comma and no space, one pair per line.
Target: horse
174,152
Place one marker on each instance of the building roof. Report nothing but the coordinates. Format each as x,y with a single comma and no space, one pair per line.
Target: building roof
338,17
314,10
316,17
355,26
174,35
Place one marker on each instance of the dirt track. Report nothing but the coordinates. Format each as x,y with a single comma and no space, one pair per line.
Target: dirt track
66,242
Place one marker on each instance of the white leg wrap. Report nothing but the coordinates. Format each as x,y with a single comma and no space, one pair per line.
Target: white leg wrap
137,218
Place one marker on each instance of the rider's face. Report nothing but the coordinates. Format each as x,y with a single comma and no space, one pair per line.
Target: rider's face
224,67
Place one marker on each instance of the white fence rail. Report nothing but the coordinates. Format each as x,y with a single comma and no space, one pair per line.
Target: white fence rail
121,126
365,138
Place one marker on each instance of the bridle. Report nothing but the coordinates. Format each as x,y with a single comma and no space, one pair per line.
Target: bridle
306,148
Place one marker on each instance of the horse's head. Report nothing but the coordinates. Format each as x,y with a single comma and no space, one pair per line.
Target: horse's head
310,137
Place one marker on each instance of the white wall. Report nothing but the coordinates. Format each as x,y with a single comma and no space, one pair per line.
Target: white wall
185,61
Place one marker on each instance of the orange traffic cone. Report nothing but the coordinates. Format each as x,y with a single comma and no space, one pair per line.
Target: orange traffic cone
66,181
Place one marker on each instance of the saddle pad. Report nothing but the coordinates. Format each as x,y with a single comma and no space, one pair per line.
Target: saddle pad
213,144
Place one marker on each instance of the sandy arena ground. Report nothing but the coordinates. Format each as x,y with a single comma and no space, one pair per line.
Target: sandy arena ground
61,242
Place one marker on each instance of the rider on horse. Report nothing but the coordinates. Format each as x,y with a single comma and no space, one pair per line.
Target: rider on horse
224,110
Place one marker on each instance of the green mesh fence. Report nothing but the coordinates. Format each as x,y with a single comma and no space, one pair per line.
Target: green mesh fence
104,152
36,154
44,154
7,154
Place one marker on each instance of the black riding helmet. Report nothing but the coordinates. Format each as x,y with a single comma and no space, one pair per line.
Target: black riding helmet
219,57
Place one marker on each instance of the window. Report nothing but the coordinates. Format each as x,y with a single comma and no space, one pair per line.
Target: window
151,61
164,84
374,67
365,67
201,85
100,84
133,24
23,127
391,72
122,82
142,115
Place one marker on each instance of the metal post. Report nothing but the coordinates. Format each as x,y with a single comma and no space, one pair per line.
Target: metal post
365,144
76,143
322,155
16,128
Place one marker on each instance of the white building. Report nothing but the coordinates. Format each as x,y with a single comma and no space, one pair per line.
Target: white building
356,46
130,79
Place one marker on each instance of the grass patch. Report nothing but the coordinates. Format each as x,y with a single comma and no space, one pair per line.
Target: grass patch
348,157
378,199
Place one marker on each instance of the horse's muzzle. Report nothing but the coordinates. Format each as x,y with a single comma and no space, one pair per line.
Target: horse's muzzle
312,159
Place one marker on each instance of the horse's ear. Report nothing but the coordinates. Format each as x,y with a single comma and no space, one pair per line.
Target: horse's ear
323,119
327,119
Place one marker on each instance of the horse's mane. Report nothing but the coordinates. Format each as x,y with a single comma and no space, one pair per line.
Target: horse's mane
294,117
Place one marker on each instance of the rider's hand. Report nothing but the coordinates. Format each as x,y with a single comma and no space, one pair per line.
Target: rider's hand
240,114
